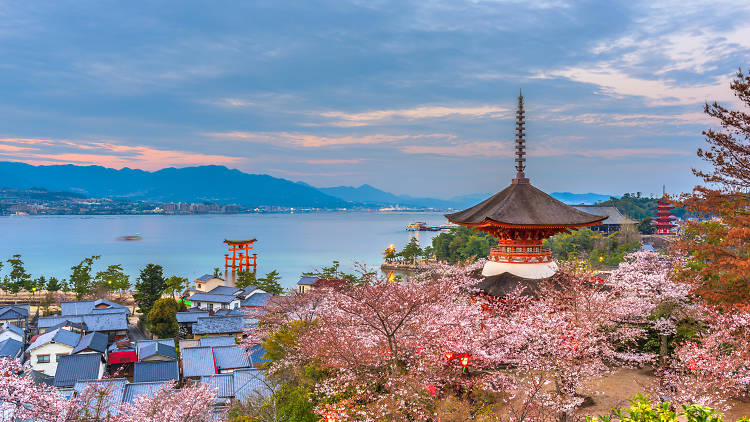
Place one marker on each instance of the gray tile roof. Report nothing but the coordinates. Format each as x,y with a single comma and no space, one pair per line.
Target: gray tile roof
144,343
115,388
14,312
12,328
231,357
307,281
156,371
257,300
155,348
613,214
205,277
249,289
197,361
58,336
73,368
223,383
219,325
225,290
40,377
190,317
256,354
218,341
95,341
135,389
66,323
213,298
94,322
249,383
11,348
233,312
89,306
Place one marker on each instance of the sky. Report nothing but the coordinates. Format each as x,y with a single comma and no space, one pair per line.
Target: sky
413,97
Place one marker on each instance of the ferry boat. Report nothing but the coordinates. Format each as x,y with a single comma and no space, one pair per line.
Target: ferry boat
136,236
421,226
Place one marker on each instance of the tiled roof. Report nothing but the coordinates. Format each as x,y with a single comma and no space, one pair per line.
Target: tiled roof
223,383
10,348
257,300
249,383
249,289
156,371
218,341
95,341
58,336
40,377
226,312
14,312
256,354
156,348
197,361
219,325
12,328
613,214
135,389
224,290
144,343
73,368
214,298
190,317
231,357
115,389
94,322
90,306
306,281
66,323
205,277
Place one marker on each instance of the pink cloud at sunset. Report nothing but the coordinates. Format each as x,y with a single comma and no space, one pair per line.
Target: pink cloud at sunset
103,153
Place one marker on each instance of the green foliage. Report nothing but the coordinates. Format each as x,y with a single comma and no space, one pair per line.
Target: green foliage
81,280
270,283
177,284
18,278
637,207
245,278
37,284
217,272
53,284
112,279
411,250
149,287
645,226
334,273
162,319
642,410
598,248
461,244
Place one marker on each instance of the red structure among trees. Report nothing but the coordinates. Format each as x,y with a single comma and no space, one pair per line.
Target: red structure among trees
664,218
241,259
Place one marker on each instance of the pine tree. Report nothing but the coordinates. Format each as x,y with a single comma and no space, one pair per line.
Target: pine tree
162,319
149,287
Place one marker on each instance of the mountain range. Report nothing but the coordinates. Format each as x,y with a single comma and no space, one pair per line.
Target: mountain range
218,184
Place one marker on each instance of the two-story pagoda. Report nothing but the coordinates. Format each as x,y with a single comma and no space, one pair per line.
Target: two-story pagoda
520,217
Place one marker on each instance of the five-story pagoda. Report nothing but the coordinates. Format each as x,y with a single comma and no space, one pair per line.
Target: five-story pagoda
520,217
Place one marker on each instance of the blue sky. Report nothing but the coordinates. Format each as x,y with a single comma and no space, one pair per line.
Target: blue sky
411,97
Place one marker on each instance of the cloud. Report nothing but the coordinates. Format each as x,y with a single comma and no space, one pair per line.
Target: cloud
317,141
332,161
103,153
422,112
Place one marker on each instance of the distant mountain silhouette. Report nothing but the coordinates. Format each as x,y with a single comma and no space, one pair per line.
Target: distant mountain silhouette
369,195
191,184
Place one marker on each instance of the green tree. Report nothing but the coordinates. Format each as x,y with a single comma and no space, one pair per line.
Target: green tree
461,244
37,284
411,250
81,281
245,279
270,283
162,318
149,287
217,272
645,226
53,284
18,278
334,273
177,285
112,279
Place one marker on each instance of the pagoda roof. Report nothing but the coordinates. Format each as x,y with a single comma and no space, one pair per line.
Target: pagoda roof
523,205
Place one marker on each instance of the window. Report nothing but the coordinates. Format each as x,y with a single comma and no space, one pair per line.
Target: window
42,358
57,356
210,306
199,286
224,306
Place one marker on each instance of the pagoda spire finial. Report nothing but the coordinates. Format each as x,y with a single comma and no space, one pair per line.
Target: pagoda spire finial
520,143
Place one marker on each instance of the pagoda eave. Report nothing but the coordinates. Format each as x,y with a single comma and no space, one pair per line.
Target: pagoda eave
488,222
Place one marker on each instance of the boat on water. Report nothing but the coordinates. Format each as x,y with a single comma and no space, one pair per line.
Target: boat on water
136,236
421,226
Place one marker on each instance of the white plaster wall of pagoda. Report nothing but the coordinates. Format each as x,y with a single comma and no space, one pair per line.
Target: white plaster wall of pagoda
532,271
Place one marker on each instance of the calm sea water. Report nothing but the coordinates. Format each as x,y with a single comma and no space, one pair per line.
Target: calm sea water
192,245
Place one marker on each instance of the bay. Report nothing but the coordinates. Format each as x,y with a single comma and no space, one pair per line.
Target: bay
192,245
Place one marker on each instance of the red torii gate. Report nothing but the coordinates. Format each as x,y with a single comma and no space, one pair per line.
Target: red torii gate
241,258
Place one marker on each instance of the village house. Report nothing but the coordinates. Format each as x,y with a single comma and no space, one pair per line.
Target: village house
92,306
11,348
17,315
615,221
75,368
186,319
212,301
208,282
219,326
46,350
156,350
152,371
307,284
113,323
95,342
240,385
8,330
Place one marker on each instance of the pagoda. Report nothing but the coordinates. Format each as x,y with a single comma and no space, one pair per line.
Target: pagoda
664,218
520,217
